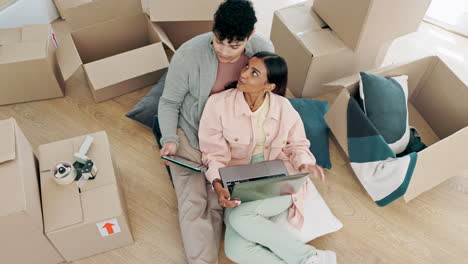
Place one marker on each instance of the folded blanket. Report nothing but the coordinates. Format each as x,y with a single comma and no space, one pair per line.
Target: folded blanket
384,176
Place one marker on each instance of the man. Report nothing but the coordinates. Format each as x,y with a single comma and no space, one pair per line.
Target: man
202,66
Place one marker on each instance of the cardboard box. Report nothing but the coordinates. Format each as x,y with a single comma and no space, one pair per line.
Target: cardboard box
64,5
28,65
183,19
315,55
118,47
84,221
363,24
22,239
437,108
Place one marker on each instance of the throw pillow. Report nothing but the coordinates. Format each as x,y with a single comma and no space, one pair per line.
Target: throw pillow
318,219
385,103
147,108
312,113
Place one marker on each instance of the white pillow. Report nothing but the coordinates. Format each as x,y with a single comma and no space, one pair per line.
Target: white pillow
318,219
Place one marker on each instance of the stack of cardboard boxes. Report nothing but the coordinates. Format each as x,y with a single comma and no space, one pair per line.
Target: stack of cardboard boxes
327,39
72,222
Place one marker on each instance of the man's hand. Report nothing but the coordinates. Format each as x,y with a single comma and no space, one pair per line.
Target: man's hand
224,198
314,170
168,149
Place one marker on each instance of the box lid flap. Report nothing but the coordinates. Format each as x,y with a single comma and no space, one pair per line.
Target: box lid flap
127,65
23,51
8,141
66,4
450,160
99,11
36,32
300,19
163,36
12,192
101,205
321,42
10,35
61,204
68,57
182,10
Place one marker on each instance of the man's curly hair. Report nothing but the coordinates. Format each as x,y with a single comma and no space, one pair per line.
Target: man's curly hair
234,20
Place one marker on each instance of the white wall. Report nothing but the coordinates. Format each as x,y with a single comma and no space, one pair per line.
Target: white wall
28,12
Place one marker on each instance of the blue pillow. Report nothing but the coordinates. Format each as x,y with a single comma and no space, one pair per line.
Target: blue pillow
312,113
145,110
385,102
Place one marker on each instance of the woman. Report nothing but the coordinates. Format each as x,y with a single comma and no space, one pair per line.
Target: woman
249,124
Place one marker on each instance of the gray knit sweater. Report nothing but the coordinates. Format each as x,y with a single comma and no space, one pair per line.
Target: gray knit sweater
191,76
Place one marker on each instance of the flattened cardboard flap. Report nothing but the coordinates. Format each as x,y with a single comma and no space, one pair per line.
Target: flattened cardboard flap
300,19
10,35
183,10
162,35
36,33
23,51
7,140
100,11
68,57
321,42
127,65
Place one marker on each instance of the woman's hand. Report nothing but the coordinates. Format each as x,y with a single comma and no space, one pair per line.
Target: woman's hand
314,169
168,149
224,198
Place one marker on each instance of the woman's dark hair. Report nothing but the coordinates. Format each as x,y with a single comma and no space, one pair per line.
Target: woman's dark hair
234,20
277,71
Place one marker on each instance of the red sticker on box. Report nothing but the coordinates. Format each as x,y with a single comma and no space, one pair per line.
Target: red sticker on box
109,227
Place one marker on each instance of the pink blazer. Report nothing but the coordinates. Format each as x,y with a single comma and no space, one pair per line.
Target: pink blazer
227,133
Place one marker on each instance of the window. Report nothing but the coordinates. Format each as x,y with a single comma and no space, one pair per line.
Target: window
449,14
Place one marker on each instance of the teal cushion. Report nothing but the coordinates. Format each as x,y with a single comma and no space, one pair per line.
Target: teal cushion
312,113
147,108
384,101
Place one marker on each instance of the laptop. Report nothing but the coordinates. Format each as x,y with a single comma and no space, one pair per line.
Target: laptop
242,173
269,187
260,180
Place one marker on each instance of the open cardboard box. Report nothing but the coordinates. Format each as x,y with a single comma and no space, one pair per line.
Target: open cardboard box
28,65
437,107
368,23
182,19
314,54
75,218
21,225
118,47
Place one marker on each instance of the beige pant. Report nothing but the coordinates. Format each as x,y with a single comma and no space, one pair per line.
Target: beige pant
200,215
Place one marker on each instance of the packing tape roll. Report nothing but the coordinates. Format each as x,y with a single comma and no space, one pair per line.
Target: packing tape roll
64,173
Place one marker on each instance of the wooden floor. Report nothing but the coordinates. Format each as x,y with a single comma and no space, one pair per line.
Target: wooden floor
430,229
